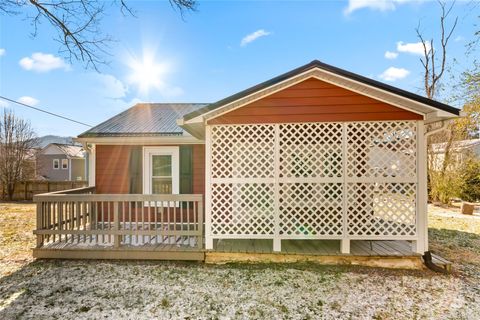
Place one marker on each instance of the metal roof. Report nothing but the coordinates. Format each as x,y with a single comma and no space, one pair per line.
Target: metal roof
145,119
329,68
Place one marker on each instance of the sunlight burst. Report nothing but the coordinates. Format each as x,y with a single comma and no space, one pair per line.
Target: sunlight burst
147,73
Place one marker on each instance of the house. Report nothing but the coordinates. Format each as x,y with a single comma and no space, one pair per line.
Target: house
460,151
318,161
61,162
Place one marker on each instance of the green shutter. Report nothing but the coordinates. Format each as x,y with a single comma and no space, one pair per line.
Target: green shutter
135,169
186,169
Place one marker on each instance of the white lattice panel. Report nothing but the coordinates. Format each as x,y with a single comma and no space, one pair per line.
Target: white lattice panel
287,180
311,209
375,209
243,209
309,150
243,151
381,149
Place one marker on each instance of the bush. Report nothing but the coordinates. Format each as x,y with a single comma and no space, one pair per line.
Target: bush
445,187
470,187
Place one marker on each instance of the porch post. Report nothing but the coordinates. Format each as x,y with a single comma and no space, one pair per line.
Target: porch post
345,242
277,242
208,190
421,245
91,166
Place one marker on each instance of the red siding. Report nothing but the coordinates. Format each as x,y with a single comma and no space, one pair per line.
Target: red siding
199,169
313,100
112,169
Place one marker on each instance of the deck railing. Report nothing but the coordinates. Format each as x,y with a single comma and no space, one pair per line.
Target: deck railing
85,219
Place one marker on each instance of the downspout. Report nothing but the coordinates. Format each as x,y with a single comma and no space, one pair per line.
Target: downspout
427,257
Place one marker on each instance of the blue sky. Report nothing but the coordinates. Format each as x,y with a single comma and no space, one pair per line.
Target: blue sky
219,50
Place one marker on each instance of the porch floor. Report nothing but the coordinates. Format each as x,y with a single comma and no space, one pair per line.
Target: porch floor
317,247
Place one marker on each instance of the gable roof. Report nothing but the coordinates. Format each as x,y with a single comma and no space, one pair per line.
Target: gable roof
71,151
315,64
144,119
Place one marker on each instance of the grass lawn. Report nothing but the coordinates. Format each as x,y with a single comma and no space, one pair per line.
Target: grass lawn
144,290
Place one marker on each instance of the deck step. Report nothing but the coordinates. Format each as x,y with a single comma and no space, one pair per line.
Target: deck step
441,262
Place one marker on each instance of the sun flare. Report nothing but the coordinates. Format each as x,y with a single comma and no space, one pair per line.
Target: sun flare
146,73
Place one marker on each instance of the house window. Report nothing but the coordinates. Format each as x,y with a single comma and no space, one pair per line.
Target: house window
161,170
56,164
64,163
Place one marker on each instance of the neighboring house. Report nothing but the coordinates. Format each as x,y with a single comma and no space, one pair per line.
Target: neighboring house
318,154
460,151
61,162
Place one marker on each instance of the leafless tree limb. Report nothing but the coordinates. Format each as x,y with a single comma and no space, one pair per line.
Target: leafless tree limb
78,23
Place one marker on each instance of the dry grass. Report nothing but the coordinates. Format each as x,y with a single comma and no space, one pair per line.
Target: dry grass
112,289
17,220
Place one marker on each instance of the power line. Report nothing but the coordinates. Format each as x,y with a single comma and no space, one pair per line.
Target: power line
44,111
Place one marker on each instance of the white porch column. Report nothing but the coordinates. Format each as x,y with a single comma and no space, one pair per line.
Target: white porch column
345,242
345,246
277,242
208,189
421,245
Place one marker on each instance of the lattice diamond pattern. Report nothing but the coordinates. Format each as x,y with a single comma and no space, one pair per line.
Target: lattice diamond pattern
243,208
311,150
244,165
311,209
243,151
381,149
381,209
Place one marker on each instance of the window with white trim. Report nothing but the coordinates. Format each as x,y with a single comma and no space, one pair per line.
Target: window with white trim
64,163
161,170
56,164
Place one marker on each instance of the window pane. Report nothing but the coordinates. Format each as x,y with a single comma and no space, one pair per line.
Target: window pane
161,185
161,165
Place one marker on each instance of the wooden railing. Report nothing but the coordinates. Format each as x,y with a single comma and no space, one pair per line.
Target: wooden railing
85,219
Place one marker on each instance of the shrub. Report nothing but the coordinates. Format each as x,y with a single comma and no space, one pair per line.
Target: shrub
470,187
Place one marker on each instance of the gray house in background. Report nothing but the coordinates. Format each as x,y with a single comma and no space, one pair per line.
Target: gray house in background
61,162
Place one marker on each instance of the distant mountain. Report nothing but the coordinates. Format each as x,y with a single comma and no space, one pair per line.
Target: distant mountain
45,140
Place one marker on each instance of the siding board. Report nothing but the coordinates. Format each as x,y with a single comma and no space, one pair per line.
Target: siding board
314,100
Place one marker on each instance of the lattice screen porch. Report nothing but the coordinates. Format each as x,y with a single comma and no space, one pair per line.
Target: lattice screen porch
327,180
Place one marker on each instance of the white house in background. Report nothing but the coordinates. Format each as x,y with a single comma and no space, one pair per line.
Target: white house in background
61,162
460,151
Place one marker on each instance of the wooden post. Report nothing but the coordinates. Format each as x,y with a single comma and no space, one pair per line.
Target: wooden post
277,242
25,189
39,223
208,189
116,225
200,224
345,242
421,245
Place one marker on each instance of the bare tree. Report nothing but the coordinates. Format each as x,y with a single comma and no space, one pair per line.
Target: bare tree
78,23
17,140
433,71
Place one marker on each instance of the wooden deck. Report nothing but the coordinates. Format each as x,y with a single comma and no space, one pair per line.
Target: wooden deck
159,251
317,247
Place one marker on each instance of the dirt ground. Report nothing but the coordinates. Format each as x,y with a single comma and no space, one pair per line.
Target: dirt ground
143,290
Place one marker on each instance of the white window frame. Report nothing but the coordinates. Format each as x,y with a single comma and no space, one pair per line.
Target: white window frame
148,152
64,161
58,164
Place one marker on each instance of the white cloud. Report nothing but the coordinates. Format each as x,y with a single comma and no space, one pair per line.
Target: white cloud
413,48
254,36
391,55
379,5
2,52
28,101
107,85
459,38
392,74
43,62
3,104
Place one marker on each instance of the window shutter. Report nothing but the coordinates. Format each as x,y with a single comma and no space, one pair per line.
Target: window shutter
186,169
135,168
